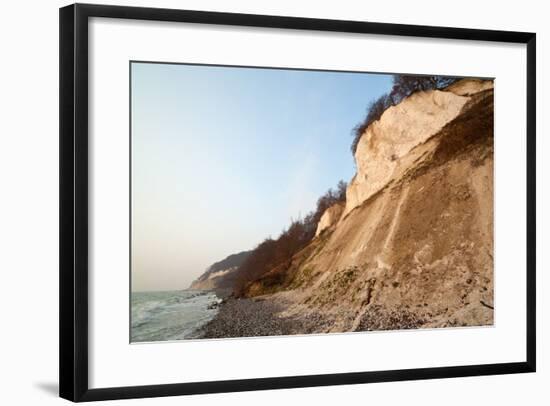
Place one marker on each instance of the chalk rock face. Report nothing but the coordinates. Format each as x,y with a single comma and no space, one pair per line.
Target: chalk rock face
330,217
401,128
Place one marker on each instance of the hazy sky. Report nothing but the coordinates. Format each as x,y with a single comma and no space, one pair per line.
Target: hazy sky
224,157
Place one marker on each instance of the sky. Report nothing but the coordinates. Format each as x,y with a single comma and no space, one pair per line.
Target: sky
223,157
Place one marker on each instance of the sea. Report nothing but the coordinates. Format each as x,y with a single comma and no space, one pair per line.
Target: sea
171,315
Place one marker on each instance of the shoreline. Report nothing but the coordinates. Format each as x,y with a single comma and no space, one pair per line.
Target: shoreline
257,317
264,316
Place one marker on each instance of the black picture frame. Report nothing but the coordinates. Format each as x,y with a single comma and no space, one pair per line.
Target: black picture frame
73,254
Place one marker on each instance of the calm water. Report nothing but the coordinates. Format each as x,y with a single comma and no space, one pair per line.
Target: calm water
176,315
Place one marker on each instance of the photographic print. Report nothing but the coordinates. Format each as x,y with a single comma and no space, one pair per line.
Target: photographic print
274,202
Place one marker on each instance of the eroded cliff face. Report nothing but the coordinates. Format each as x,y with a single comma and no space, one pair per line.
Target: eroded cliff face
385,146
414,245
330,217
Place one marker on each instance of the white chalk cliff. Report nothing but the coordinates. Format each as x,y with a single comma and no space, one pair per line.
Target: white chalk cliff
383,148
413,246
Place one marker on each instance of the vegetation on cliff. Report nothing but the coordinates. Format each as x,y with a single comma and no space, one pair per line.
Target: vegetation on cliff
274,252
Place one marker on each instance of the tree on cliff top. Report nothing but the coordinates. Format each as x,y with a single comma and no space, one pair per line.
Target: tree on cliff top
405,85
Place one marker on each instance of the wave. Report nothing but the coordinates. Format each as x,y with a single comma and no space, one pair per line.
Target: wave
175,315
